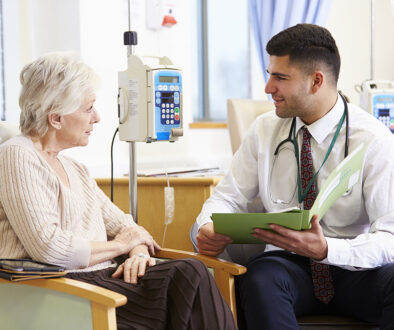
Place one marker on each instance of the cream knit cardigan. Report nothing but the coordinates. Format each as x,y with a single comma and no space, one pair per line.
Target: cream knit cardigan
43,219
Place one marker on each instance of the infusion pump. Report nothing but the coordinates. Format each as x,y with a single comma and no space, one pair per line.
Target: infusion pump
150,100
377,97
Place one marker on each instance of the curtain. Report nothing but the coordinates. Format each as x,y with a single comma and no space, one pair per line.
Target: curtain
268,17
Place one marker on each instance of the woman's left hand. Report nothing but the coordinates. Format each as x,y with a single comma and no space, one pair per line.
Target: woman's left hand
134,267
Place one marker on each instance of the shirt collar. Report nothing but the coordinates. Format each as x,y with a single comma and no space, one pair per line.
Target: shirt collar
322,127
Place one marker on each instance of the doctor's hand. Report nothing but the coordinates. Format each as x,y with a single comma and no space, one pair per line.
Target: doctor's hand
209,242
309,243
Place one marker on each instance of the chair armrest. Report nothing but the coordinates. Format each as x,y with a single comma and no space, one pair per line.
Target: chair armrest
212,262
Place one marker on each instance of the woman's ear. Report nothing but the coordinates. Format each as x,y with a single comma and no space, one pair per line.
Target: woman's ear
317,80
54,121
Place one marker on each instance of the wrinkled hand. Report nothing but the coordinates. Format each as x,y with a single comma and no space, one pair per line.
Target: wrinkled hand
309,243
209,242
130,237
133,268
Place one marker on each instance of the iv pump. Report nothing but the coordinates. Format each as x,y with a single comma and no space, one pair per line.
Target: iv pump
150,100
149,110
377,97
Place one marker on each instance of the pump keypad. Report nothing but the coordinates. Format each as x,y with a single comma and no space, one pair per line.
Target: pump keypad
168,102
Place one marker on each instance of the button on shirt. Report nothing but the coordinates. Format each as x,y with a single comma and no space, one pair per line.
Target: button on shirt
359,226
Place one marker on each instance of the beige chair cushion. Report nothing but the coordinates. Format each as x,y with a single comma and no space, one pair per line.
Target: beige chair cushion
7,130
241,114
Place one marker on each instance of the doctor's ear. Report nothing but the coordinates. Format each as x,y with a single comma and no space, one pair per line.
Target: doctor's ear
317,80
54,121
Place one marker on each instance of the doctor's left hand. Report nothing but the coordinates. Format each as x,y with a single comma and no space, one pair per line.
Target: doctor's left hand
135,266
309,243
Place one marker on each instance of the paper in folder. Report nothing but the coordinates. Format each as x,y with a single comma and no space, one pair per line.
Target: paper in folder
27,269
239,226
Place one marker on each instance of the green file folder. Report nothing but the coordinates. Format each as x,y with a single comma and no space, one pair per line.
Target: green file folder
239,226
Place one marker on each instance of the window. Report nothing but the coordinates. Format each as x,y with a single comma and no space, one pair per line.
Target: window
223,64
2,74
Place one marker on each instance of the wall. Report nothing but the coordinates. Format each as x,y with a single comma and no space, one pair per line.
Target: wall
12,57
350,24
95,29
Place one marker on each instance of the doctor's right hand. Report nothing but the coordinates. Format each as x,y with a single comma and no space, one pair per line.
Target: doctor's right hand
211,243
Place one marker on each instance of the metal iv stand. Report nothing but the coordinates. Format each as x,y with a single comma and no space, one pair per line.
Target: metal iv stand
130,40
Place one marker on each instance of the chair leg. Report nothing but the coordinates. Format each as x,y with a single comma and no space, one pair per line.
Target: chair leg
103,317
225,283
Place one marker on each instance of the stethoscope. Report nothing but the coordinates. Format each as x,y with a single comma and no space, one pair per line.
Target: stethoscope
292,139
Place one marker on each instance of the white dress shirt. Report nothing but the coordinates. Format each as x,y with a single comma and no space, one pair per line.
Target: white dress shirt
359,226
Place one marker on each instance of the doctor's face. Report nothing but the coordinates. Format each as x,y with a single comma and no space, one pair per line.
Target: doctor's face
289,87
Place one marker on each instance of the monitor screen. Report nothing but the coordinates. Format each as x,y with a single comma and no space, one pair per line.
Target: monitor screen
169,79
167,97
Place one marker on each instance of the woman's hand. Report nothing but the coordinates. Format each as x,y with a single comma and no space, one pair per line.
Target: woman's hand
135,266
131,237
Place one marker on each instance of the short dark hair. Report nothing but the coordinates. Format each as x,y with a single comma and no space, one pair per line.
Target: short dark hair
308,45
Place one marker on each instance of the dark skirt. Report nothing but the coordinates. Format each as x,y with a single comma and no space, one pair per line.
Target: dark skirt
176,294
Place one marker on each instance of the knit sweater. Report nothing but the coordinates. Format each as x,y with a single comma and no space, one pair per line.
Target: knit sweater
43,219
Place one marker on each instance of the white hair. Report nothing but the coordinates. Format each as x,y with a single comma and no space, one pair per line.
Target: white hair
55,83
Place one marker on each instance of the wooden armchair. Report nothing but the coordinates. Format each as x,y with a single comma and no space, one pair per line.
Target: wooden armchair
64,304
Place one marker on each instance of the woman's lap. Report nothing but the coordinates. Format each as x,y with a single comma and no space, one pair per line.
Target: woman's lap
176,294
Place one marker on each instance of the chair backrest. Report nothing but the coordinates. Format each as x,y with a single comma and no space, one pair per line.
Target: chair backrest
241,114
7,130
57,303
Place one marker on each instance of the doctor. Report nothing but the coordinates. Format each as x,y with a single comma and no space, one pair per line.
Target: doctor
344,263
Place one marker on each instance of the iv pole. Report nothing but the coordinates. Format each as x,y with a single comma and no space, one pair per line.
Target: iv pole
130,39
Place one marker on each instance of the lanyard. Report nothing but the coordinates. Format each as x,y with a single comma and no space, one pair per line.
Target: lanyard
301,196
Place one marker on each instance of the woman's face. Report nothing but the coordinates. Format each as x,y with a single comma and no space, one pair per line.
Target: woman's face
77,126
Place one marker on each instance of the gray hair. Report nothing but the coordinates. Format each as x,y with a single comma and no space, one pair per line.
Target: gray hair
55,83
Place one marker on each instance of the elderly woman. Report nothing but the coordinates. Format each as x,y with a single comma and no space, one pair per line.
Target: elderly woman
52,210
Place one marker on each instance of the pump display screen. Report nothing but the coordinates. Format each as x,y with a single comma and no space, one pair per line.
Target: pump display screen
167,97
169,79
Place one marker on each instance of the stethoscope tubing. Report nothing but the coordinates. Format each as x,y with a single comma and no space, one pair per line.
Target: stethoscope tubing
292,140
